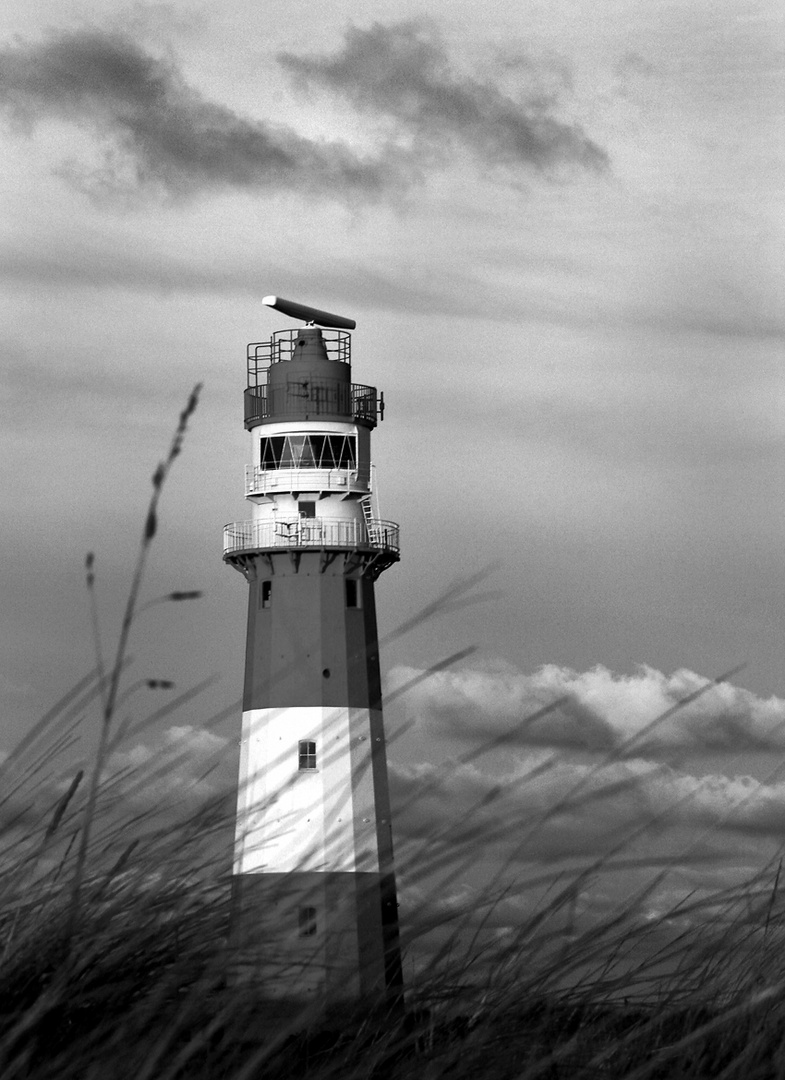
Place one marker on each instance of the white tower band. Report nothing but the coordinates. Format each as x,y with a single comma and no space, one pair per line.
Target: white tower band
315,910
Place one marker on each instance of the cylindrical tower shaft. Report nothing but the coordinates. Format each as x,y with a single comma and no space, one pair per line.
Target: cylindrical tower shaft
315,910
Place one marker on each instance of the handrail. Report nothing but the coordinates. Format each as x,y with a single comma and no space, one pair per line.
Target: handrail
325,398
281,346
259,481
311,533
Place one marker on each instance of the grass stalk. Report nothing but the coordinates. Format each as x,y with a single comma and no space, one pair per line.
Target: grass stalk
148,534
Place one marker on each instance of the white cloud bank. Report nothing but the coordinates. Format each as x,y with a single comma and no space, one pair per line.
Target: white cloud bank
555,809
561,768
629,715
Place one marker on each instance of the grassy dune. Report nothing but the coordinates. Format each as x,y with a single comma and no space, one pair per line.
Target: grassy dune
134,984
114,916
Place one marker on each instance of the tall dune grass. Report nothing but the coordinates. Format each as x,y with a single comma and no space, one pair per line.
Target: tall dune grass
114,918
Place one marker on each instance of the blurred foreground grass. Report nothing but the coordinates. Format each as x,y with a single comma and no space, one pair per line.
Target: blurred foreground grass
114,917
135,985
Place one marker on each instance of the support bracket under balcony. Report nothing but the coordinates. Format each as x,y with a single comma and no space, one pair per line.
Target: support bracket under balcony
326,557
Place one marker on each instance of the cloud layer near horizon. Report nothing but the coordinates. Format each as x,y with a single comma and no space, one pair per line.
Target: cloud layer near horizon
629,715
549,809
542,811
157,132
563,768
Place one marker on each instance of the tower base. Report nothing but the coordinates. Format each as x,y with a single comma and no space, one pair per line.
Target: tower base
321,938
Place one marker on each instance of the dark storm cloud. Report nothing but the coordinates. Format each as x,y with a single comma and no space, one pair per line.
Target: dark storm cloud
402,72
159,132
169,136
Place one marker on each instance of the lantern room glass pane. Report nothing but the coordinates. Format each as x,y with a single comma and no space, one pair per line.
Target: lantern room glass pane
307,459
293,450
271,450
317,449
308,452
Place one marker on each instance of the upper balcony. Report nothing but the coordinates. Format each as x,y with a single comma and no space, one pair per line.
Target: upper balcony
281,347
325,399
294,376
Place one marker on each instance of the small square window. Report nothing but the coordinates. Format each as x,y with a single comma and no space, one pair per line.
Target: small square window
307,921
307,509
307,754
352,592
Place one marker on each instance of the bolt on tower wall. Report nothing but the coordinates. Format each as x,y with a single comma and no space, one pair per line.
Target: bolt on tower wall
315,910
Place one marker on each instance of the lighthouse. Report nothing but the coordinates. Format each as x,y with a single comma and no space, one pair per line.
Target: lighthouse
314,914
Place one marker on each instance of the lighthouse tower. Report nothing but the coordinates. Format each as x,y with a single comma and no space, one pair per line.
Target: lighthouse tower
314,901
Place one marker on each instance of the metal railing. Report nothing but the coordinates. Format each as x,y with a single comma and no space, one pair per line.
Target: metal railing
280,348
259,481
324,397
311,533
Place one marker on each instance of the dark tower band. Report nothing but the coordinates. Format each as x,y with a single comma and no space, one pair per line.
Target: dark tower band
315,909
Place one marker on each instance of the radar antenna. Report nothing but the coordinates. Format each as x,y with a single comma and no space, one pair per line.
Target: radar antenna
309,315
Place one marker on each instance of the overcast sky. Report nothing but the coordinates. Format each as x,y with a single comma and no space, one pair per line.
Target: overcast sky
559,228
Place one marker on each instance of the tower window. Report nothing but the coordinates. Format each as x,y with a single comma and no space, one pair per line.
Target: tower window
308,452
307,921
307,754
265,595
352,593
307,509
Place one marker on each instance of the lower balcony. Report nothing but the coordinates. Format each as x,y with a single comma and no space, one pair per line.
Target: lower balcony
296,533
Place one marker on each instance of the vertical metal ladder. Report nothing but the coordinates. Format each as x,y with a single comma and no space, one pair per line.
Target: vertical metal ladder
365,502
